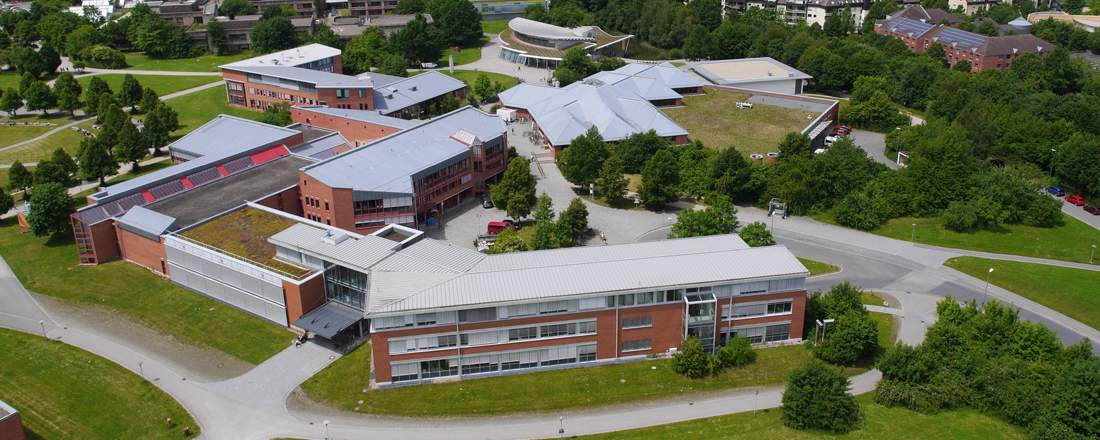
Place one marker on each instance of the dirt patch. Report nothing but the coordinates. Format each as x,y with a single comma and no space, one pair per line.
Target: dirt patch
197,363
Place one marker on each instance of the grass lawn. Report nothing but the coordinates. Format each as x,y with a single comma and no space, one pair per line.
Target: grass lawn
465,55
556,390
65,392
493,26
49,267
9,80
162,84
817,267
68,139
199,108
887,329
871,298
1069,291
341,383
1069,242
469,76
203,63
879,422
713,119
10,134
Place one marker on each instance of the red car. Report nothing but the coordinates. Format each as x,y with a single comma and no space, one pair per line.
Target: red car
1076,199
1092,209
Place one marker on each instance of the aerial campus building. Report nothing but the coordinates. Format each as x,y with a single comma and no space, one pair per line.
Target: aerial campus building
539,44
982,52
309,75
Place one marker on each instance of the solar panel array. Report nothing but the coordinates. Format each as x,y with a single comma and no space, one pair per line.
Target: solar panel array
949,36
238,165
204,176
167,189
909,26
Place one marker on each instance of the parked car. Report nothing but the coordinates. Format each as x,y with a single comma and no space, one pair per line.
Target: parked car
1092,209
1056,191
512,224
1076,200
496,227
486,202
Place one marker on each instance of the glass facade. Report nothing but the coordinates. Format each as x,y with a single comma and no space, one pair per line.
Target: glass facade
700,315
346,286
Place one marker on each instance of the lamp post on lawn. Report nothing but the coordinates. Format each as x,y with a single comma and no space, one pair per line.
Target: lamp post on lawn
42,324
141,370
1053,155
822,324
987,274
913,234
1092,254
561,427
326,429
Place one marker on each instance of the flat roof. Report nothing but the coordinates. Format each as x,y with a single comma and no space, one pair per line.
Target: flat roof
226,135
410,91
6,410
244,233
321,80
203,202
729,72
290,57
371,116
388,164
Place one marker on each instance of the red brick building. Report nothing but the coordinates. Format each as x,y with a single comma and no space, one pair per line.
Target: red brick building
406,178
982,52
357,127
11,424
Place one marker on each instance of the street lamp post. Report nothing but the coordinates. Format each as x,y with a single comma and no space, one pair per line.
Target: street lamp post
1092,254
561,427
326,429
1053,154
913,233
42,324
987,274
141,370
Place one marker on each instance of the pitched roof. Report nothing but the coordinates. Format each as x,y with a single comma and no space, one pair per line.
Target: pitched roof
1011,44
146,222
389,164
225,135
410,91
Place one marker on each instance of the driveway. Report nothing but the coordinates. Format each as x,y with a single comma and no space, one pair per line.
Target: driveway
875,146
492,62
1078,213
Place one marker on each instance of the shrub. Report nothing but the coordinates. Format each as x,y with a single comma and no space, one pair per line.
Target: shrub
817,398
757,234
960,217
905,395
103,57
851,337
737,352
1044,212
856,210
691,361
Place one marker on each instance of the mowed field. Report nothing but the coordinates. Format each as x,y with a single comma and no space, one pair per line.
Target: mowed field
714,119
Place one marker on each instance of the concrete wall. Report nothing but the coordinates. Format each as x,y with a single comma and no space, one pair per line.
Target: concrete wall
142,251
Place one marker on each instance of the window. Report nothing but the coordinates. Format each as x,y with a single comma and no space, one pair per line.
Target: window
586,327
755,335
519,334
554,307
447,341
776,308
645,298
523,310
477,315
779,332
638,321
403,372
549,331
437,368
673,295
426,319
637,345
341,93
586,353
626,300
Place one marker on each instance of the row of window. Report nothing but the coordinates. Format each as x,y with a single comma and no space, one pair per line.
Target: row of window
492,362
637,345
315,202
756,310
764,333
637,321
585,304
495,336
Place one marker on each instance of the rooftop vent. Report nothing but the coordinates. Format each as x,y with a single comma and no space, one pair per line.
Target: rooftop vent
413,88
334,237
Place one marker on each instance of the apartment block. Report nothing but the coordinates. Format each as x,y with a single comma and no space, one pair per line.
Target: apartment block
982,52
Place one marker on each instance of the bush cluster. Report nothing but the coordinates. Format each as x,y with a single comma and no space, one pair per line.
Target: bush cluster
692,361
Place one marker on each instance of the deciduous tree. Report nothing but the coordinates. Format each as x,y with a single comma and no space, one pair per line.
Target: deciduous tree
50,209
817,399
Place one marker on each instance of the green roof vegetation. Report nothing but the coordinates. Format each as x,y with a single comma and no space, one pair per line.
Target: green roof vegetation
49,267
62,391
713,119
244,233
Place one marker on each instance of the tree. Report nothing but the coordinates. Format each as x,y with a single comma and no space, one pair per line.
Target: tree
637,148
96,162
518,206
418,42
19,178
574,66
507,241
757,234
96,88
411,7
516,185
393,64
366,50
50,172
6,202
458,20
63,160
159,125
574,220
101,56
274,34
659,179
737,352
326,36
720,217
68,92
129,93
149,100
25,81
131,147
11,101
544,236
611,181
544,209
700,44
878,113
581,161
40,97
215,36
233,8
850,337
277,114
817,398
609,63
796,145
82,37
485,89
50,207
691,360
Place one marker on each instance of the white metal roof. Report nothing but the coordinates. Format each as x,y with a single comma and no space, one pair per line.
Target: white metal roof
742,70
615,113
356,252
319,79
290,57
548,31
146,222
414,90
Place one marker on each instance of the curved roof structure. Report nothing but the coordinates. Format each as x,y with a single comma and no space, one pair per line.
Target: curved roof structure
550,32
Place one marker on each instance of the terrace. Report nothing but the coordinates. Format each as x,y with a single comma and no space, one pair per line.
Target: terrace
243,233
